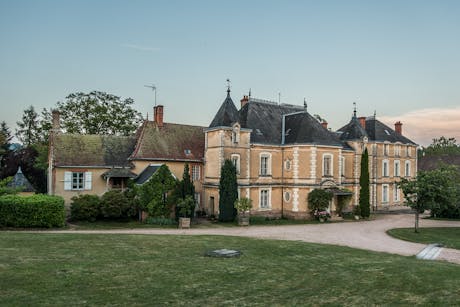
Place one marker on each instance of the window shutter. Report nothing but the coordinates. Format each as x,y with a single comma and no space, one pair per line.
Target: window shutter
88,178
67,181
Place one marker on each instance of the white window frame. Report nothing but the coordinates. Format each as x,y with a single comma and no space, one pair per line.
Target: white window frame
235,158
397,150
343,167
407,170
386,150
385,168
397,168
265,198
236,134
409,151
287,196
396,193
385,193
196,172
78,181
71,178
265,170
331,165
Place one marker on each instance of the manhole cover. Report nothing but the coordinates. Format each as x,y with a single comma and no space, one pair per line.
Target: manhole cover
225,253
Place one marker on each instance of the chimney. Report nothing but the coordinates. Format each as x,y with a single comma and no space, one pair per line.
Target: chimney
158,115
398,127
244,101
56,124
324,124
362,121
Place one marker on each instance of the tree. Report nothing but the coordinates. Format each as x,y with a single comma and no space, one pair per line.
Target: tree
364,197
318,200
433,190
29,129
153,194
5,138
442,146
98,113
228,192
184,189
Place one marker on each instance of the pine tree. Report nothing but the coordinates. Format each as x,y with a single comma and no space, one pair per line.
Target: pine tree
228,192
364,198
187,185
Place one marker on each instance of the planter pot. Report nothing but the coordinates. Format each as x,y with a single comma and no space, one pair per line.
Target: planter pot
322,219
184,222
243,220
357,217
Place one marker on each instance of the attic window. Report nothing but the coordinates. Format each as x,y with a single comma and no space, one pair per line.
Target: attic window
259,132
187,151
386,131
287,132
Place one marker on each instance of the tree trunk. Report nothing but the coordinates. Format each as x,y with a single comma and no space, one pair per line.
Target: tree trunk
416,221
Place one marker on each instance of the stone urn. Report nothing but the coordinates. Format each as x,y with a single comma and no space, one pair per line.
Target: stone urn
243,220
184,222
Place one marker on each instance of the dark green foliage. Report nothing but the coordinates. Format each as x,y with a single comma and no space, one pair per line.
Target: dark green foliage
162,221
364,196
442,146
4,189
188,189
154,194
114,205
319,199
85,208
228,192
32,211
186,206
183,189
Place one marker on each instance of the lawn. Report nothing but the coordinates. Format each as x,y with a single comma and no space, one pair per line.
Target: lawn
78,269
448,236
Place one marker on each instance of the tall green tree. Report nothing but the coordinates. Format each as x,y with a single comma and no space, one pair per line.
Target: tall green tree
228,192
98,113
364,197
442,146
29,131
5,137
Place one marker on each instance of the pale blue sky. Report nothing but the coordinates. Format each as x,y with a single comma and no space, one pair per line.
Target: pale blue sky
399,58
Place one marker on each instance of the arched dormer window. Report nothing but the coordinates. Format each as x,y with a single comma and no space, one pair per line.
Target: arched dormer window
236,133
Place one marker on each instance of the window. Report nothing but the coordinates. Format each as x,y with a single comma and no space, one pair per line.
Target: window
265,167
385,168
409,151
327,165
396,192
407,169
236,134
287,165
343,167
374,149
77,181
385,193
264,199
236,162
397,169
287,196
196,172
386,149
397,150
197,198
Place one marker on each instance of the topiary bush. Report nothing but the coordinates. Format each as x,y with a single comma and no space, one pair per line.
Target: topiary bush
114,205
85,208
319,199
32,211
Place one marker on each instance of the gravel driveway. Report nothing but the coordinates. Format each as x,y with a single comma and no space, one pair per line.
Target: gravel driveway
369,235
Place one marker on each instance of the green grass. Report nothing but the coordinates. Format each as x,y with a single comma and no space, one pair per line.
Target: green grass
448,236
124,270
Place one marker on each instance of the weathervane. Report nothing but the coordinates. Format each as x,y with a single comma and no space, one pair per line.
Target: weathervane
305,104
228,85
354,109
154,88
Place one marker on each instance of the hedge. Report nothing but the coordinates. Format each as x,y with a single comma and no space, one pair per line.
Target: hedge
85,207
32,211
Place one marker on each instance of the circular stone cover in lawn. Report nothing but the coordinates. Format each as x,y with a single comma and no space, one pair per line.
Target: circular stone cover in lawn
223,253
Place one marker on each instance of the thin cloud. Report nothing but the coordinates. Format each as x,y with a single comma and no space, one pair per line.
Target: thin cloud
140,48
422,126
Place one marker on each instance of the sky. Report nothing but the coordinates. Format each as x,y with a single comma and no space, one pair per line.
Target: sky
399,59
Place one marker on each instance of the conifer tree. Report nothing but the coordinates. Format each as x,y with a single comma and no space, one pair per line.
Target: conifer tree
228,192
364,198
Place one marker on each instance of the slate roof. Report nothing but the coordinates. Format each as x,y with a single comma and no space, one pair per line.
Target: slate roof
93,150
428,163
146,174
20,181
118,173
169,142
227,114
375,131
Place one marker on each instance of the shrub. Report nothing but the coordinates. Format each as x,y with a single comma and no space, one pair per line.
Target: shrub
114,205
32,211
319,199
243,205
186,206
85,208
160,221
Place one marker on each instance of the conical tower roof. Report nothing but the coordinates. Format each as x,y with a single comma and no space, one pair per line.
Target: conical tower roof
227,114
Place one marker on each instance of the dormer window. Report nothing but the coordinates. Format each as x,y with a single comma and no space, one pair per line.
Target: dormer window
236,134
187,152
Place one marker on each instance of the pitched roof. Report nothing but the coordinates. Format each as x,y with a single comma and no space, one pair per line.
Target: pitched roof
146,174
92,150
302,128
378,131
169,142
431,162
227,114
20,181
352,131
118,173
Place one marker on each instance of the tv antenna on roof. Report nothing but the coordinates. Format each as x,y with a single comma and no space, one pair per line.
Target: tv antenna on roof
154,88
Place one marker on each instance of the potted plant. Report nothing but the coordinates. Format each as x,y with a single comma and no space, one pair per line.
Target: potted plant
357,212
318,202
185,206
243,207
322,216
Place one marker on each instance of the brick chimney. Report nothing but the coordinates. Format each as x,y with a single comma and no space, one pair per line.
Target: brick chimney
56,123
244,101
398,127
324,124
362,121
158,115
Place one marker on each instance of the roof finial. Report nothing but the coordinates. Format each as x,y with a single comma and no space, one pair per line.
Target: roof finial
354,109
228,87
305,104
249,92
375,114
